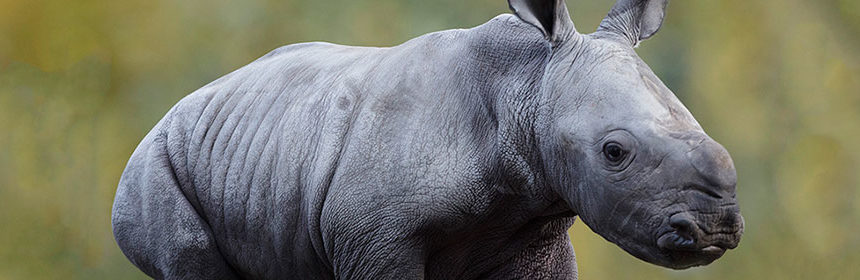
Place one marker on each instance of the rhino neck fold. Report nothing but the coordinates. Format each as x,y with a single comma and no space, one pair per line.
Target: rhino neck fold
523,120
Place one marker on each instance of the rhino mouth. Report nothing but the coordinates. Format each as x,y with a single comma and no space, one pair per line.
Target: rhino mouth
687,243
684,250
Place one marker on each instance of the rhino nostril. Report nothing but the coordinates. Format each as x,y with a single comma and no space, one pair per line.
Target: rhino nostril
685,230
682,236
681,225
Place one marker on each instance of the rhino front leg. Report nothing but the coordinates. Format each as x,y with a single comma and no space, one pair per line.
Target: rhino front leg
549,257
383,260
156,226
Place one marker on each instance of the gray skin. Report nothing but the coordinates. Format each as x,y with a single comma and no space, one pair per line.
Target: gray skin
460,154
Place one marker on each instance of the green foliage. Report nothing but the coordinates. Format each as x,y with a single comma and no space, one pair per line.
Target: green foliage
81,82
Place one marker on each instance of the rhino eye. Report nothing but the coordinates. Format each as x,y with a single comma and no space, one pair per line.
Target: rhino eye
614,152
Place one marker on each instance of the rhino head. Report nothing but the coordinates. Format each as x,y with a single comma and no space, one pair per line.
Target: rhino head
621,149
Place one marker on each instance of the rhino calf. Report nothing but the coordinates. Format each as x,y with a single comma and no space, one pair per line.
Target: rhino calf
460,154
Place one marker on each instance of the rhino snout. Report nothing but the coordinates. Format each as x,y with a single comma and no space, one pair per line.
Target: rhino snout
693,241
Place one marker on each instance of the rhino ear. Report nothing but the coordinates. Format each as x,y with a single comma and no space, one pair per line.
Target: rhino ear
550,16
636,20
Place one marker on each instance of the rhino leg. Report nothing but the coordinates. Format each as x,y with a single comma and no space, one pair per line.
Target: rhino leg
549,257
156,226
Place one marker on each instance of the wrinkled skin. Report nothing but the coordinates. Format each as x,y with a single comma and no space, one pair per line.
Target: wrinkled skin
672,180
460,154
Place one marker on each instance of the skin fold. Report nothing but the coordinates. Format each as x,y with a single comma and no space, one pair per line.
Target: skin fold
460,154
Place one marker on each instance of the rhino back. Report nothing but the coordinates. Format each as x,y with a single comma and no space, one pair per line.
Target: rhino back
253,151
262,151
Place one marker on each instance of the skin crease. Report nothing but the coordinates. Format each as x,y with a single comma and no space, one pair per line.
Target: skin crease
461,154
655,128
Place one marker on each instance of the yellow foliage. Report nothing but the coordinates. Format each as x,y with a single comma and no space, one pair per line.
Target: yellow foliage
81,82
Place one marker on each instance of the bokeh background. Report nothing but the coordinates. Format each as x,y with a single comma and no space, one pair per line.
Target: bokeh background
81,82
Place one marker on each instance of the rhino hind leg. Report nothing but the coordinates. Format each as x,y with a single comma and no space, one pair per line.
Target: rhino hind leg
156,226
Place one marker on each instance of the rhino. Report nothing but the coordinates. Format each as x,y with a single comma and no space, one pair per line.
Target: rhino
460,154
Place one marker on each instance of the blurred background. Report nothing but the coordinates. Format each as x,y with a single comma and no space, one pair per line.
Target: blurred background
81,83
